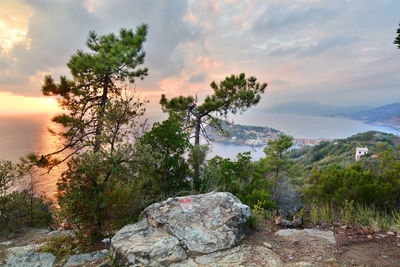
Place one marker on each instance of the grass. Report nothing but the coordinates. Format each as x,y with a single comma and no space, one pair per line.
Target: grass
355,215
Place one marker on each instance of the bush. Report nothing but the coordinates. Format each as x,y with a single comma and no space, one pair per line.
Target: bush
20,210
335,185
241,178
98,193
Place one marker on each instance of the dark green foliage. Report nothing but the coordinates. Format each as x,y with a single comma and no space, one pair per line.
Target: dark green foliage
397,40
20,210
168,142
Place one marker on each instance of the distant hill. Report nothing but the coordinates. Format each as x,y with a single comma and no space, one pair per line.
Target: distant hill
313,108
384,115
343,150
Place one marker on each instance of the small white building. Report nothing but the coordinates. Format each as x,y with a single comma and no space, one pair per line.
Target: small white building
361,151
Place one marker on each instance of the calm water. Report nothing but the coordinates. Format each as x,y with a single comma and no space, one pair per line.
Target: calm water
20,135
24,134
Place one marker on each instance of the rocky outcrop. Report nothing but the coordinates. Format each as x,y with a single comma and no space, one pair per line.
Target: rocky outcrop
239,256
17,251
143,245
181,227
82,259
32,259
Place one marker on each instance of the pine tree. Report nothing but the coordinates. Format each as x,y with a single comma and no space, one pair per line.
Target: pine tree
95,99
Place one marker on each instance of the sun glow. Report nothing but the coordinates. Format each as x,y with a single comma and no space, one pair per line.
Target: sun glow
12,104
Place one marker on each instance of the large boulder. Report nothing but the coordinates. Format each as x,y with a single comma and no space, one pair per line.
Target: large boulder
180,227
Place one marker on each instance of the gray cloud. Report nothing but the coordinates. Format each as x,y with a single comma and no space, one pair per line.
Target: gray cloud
306,49
285,18
198,78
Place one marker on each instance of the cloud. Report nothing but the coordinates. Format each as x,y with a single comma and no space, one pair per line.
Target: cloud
198,78
305,49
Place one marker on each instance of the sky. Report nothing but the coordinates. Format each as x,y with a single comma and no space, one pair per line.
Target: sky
336,52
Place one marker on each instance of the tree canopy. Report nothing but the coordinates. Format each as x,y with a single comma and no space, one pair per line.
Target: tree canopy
96,98
397,40
234,94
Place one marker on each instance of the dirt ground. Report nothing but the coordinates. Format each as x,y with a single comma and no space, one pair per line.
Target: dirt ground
352,248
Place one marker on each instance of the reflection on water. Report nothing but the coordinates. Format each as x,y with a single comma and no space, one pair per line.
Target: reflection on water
20,135
24,134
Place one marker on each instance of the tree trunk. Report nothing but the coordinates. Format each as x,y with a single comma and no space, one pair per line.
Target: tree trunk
197,131
196,167
99,127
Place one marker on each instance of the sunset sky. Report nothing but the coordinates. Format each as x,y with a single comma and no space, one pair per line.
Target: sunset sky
336,52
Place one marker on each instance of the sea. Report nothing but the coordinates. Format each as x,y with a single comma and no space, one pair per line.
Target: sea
24,134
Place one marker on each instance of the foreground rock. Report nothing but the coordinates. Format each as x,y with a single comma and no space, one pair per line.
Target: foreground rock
240,256
17,251
82,259
182,227
32,259
307,235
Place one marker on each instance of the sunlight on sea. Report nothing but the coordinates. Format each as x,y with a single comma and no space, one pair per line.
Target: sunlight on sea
24,134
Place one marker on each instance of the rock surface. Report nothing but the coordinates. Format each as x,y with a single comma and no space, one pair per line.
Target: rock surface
140,244
32,259
306,234
17,251
81,259
180,227
6,243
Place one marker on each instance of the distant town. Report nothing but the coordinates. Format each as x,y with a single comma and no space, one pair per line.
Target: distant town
255,136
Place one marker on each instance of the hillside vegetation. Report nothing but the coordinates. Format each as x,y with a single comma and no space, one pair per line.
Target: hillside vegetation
343,150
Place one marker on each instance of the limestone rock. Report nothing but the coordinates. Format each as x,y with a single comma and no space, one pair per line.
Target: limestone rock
203,223
307,234
240,256
32,259
142,245
80,259
180,227
16,251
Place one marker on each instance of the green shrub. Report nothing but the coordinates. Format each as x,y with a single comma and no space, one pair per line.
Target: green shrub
61,246
20,210
335,185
